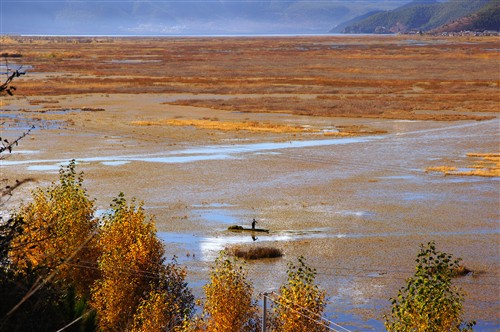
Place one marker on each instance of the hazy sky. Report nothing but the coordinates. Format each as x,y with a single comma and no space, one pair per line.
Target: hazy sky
180,17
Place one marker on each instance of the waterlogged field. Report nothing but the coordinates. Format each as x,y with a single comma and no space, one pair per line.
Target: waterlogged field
352,151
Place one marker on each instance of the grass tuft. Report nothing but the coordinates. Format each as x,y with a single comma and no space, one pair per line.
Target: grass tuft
255,252
235,228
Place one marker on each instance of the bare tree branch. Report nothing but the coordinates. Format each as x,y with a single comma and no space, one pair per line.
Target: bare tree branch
5,86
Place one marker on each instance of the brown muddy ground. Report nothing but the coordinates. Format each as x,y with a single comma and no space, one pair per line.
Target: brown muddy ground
356,207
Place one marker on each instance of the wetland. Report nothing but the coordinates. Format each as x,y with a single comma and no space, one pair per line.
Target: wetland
328,142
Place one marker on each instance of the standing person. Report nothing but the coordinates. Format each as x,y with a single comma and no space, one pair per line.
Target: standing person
253,223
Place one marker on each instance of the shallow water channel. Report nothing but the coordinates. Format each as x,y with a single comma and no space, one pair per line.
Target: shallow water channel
206,153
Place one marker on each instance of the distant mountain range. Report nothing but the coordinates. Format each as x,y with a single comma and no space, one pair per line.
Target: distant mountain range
428,16
231,17
165,17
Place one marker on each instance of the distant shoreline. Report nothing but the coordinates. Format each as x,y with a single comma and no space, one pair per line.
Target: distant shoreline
197,36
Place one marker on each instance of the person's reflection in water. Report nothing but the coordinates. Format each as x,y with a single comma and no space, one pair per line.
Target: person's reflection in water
254,238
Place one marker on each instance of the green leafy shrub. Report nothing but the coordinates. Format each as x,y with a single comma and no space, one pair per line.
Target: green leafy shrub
428,302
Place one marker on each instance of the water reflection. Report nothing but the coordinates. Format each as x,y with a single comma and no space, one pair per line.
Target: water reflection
206,248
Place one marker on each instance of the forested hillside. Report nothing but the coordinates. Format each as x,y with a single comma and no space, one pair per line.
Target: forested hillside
429,15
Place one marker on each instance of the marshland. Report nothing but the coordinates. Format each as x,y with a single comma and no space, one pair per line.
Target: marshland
351,150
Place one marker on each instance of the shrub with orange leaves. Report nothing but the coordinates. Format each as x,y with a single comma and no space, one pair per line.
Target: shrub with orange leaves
301,302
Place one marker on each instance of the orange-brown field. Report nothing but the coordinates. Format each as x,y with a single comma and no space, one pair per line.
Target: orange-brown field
430,78
337,145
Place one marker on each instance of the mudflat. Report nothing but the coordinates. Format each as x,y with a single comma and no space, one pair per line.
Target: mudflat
328,142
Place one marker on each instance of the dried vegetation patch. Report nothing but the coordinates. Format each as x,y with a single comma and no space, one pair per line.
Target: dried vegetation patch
351,105
252,253
253,126
441,79
484,164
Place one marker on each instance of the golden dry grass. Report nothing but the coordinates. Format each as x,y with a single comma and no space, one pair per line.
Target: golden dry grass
252,126
338,134
446,170
487,166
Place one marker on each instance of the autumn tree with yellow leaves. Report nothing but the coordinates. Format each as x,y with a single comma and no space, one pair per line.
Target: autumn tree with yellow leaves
59,231
229,305
59,255
136,291
300,303
42,286
169,303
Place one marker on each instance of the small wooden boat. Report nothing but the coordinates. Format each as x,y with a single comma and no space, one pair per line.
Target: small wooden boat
237,228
